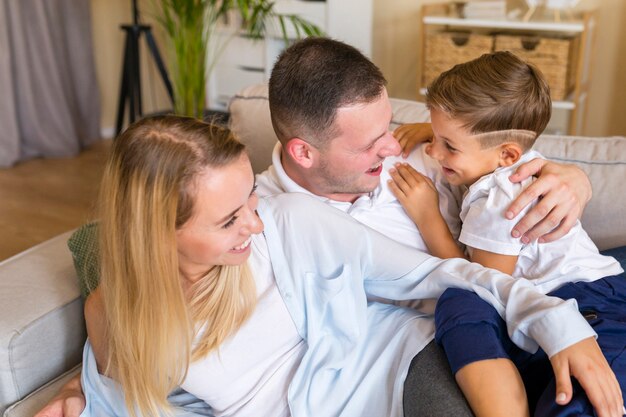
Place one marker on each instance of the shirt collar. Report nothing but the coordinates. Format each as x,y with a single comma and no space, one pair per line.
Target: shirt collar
290,186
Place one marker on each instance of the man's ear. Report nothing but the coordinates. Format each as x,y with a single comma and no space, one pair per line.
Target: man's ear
510,153
301,152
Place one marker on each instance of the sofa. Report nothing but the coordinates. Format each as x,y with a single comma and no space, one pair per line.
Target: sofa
42,329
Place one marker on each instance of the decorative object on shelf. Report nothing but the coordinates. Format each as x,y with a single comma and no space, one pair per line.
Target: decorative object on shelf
190,24
555,5
484,9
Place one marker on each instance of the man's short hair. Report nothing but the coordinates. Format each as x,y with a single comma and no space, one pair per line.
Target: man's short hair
495,92
311,80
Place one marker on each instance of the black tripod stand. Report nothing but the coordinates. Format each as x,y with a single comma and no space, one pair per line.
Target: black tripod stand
130,90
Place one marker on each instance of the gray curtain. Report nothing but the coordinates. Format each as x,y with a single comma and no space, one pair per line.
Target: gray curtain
49,99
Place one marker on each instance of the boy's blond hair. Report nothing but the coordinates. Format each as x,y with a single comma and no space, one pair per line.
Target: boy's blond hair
495,92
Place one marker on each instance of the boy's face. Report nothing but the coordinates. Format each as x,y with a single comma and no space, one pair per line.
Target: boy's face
460,155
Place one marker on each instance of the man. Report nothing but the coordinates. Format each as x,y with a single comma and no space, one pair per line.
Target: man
331,113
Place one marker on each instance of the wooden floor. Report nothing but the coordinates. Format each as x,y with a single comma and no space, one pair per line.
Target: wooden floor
42,198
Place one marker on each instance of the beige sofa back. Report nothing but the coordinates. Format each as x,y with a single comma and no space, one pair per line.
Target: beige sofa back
603,159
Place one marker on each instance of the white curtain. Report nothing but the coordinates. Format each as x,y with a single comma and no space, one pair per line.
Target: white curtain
49,99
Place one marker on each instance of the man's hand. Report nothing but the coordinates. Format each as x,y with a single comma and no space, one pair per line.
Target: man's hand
585,362
563,192
69,402
411,135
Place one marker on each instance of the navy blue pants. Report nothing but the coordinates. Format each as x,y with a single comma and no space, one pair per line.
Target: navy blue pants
470,330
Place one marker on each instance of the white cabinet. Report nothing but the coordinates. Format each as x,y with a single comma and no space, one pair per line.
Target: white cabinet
435,17
248,61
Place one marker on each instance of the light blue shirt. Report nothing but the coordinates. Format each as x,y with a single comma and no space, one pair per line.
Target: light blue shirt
358,353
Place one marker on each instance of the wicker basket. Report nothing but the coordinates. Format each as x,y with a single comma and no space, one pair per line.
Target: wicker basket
446,49
555,58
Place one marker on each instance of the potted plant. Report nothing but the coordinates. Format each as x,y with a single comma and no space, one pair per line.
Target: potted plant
190,27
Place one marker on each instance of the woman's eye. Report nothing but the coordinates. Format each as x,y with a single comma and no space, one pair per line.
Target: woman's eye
230,222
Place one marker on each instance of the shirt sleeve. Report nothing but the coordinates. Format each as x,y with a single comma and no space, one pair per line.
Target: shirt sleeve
533,319
484,225
395,271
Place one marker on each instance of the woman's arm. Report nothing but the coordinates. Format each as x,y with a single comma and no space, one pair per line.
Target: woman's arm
95,321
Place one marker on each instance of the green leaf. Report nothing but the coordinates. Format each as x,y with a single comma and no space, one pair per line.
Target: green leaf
189,24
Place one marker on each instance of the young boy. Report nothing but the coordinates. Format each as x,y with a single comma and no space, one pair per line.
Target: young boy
486,115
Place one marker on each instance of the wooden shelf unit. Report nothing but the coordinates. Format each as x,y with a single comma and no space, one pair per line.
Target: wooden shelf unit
442,15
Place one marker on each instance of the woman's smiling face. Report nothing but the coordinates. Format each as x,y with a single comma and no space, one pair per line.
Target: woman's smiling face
224,219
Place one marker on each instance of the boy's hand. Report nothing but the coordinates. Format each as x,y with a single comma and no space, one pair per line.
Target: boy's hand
562,190
585,362
69,402
415,192
411,135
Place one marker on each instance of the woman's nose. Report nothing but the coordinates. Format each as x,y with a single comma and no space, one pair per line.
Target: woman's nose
253,223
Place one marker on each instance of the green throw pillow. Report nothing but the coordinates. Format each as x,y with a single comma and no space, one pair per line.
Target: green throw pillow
84,247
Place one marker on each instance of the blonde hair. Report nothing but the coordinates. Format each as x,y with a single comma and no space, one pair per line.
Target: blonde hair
145,196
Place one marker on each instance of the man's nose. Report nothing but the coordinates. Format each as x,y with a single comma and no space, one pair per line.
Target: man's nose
390,146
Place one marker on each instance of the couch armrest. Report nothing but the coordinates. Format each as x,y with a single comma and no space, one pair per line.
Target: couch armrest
42,329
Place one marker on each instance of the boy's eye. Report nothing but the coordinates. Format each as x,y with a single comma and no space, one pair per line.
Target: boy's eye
229,223
450,147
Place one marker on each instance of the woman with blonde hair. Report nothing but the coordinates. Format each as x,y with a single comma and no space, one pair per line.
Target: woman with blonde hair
277,323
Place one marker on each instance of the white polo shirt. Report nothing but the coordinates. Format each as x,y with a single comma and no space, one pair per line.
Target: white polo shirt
379,209
573,257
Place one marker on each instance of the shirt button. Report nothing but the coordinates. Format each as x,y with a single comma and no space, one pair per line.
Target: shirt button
589,314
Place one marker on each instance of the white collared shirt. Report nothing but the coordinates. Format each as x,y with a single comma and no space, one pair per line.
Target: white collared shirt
573,257
379,209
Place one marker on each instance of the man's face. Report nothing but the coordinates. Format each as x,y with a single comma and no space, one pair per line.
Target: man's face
351,164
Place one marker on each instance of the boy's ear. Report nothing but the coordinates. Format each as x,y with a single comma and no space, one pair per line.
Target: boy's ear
301,152
510,153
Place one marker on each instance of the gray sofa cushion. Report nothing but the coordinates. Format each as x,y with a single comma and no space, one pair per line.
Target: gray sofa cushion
604,162
42,329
